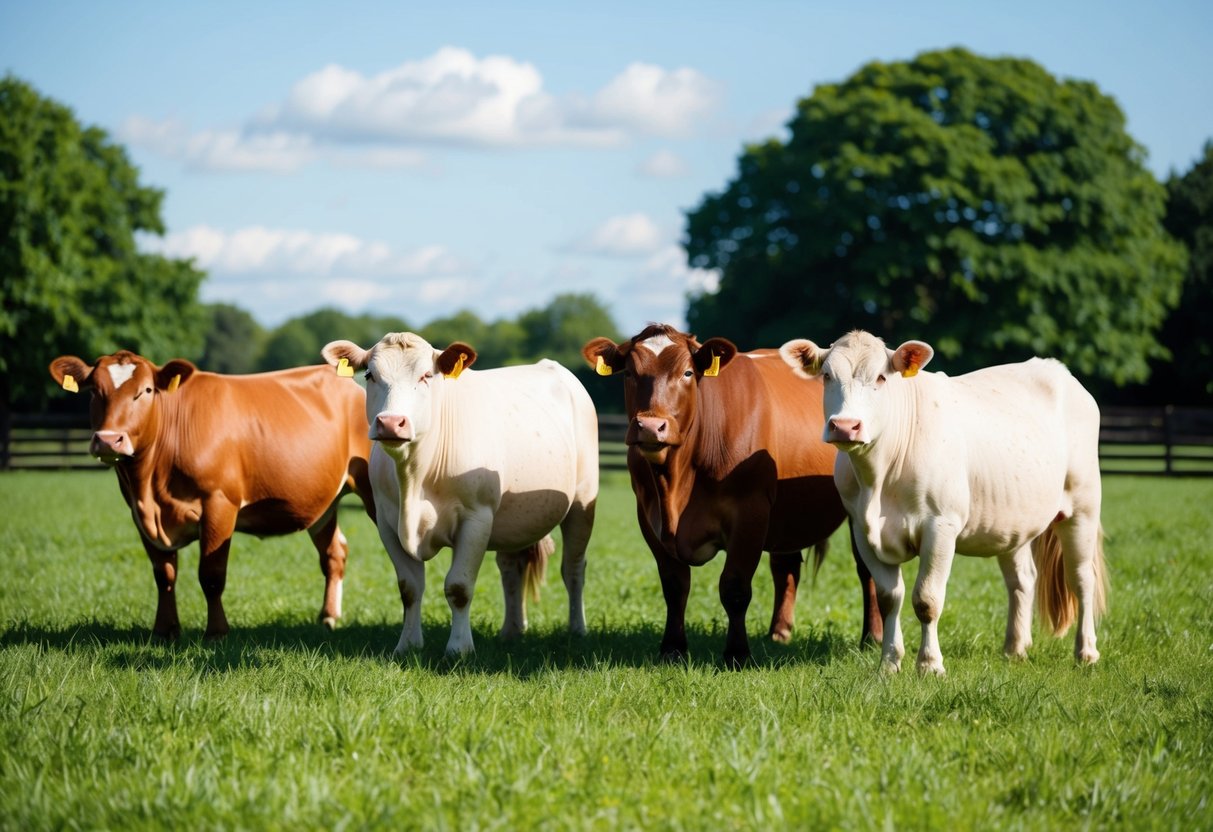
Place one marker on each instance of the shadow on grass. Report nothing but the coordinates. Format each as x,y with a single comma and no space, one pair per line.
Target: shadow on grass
538,652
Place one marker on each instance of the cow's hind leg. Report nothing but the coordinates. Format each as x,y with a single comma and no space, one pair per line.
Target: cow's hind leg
331,544
1019,574
785,574
575,532
164,569
521,573
1082,546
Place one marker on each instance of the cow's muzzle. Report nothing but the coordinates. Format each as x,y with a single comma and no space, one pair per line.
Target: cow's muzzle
109,446
846,431
392,427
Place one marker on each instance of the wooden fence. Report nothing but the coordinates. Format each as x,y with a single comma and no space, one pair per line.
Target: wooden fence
1159,441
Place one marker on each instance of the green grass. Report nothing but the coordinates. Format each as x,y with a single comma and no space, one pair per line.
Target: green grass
286,726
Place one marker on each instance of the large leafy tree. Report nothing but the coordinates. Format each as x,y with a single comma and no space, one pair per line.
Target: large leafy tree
71,277
1188,377
977,203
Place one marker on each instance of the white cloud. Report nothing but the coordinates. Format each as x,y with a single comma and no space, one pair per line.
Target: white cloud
260,250
629,235
651,100
451,98
664,164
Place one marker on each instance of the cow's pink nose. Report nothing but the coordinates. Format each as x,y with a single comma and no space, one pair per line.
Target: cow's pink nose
110,443
652,428
393,426
845,430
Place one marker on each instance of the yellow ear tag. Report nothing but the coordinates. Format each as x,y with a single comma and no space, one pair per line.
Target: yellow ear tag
458,368
602,369
714,370
912,370
344,369
175,383
70,385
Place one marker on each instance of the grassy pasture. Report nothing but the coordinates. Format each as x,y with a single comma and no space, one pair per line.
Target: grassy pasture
286,726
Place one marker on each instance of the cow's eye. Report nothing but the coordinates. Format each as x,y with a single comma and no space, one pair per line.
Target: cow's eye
879,380
429,375
826,377
368,376
688,374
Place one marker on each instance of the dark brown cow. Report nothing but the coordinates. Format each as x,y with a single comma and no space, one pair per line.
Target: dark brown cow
722,456
200,456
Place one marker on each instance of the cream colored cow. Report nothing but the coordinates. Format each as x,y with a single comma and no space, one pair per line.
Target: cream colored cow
1001,462
474,461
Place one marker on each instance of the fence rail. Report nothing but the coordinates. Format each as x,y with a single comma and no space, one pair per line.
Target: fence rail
1155,441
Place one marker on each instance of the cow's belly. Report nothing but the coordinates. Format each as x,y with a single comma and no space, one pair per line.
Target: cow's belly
523,518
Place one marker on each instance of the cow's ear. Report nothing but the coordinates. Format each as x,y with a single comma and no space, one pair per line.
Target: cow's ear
173,374
711,358
353,355
604,356
455,359
911,357
70,373
803,356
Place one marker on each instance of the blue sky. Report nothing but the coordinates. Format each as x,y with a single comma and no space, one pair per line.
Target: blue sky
414,160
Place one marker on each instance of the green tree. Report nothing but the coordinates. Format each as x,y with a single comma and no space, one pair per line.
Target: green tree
497,344
234,340
298,341
1187,377
71,277
976,203
558,330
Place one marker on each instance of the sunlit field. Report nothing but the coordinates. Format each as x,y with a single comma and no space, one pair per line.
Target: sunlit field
286,725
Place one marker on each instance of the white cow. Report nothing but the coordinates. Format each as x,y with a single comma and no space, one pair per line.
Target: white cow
475,461
1001,462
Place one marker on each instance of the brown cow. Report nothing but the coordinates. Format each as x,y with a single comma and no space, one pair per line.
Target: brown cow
722,455
201,455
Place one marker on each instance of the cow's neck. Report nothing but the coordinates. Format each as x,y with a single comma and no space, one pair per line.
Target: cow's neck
144,477
426,460
888,456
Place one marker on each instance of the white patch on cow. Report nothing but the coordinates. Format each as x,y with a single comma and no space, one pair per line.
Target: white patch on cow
121,373
657,343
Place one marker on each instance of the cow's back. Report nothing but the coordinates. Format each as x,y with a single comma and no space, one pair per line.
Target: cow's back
1025,435
529,432
284,439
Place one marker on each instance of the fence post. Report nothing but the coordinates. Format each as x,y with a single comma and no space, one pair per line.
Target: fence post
1168,428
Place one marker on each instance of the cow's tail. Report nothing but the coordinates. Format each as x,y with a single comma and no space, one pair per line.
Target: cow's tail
1056,604
535,570
820,549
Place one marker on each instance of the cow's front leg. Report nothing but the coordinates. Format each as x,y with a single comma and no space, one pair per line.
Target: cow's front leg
890,592
1019,574
468,553
164,569
785,575
214,542
937,551
736,589
410,578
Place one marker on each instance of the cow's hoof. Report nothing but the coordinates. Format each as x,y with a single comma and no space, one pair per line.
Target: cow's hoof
510,633
1087,657
329,621
890,667
782,635
931,669
215,635
168,634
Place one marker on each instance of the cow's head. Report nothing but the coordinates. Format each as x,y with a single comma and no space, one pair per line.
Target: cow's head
404,374
860,374
662,369
124,388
